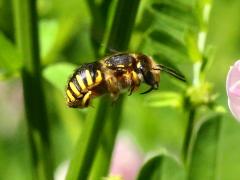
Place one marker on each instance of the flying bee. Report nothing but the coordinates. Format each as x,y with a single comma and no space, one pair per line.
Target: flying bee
112,75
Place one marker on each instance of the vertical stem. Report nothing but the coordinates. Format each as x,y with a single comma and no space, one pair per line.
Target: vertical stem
196,73
35,106
118,39
188,135
87,144
103,159
122,25
99,21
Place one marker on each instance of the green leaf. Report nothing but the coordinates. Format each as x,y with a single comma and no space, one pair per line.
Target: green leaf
58,34
162,166
170,22
204,156
176,10
149,169
173,169
192,44
58,74
48,32
164,99
208,58
154,47
168,40
10,61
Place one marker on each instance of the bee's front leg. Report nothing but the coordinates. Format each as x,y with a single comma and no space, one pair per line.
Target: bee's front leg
135,82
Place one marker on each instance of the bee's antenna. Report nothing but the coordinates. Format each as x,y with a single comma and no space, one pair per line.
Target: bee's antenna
171,72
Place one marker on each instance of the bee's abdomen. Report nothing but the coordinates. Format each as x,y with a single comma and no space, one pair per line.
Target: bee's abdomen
81,85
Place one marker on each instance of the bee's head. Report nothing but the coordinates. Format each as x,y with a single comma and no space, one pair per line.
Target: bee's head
149,70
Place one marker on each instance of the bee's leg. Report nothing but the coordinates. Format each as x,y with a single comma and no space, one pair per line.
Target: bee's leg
112,87
149,90
131,89
135,82
114,97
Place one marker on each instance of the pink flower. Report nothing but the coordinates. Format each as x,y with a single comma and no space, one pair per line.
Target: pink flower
127,159
233,89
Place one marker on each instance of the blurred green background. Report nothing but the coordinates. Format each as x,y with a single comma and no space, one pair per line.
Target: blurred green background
68,31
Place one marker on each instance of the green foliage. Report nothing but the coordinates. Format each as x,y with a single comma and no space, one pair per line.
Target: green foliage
165,99
82,161
58,74
151,167
36,111
87,144
183,118
162,166
10,60
205,153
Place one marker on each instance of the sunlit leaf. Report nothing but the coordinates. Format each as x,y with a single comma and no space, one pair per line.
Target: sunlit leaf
179,11
172,169
154,47
164,99
149,169
58,74
48,31
203,162
166,35
162,166
168,40
10,61
208,58
192,44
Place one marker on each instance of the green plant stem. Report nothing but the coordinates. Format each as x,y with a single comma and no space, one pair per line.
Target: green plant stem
188,135
122,25
119,37
88,142
35,106
99,12
103,159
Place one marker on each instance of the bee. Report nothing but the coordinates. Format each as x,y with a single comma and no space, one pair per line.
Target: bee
112,75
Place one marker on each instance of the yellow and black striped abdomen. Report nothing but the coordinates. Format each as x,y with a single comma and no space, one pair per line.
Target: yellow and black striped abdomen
81,86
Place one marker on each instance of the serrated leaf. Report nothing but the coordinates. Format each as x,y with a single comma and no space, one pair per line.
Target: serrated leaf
161,58
181,12
171,28
143,25
204,157
148,171
10,61
58,74
171,22
168,40
154,47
